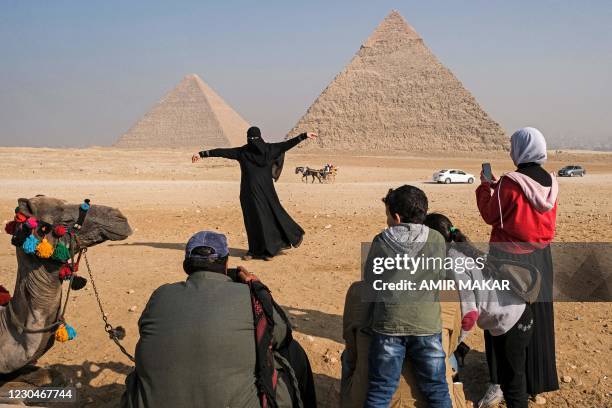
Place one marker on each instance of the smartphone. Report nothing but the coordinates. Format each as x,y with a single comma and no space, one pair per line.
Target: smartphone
486,171
233,274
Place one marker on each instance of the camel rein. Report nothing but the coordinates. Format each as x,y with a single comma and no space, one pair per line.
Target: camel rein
115,333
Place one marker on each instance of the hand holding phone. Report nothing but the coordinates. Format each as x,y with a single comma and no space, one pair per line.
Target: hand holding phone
233,274
240,274
487,173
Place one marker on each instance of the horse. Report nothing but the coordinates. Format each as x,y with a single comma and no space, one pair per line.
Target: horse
306,172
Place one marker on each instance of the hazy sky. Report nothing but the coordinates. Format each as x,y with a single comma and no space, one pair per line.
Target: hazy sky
76,73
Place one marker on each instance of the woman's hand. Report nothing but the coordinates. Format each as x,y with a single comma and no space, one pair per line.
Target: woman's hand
311,135
195,158
484,180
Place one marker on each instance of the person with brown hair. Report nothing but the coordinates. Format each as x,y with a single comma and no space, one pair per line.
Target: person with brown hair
406,325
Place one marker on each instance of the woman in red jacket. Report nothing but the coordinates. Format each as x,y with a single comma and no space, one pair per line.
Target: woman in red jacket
521,207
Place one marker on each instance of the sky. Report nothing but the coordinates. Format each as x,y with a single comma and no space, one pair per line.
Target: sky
75,73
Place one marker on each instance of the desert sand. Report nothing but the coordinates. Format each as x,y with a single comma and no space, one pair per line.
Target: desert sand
166,199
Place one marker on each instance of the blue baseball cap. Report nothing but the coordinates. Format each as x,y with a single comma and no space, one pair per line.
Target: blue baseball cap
214,240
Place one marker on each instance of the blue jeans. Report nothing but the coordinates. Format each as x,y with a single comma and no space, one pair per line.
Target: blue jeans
386,359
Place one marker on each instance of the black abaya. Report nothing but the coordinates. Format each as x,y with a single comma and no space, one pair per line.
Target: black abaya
269,228
541,363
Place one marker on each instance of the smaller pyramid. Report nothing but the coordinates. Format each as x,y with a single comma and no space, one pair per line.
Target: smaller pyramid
191,115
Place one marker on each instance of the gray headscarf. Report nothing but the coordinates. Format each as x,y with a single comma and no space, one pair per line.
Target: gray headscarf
527,145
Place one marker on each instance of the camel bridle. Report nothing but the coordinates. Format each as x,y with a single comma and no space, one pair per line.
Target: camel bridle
115,333
73,265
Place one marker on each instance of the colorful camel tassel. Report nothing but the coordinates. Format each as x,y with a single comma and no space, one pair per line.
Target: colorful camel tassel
65,272
10,227
5,296
44,249
30,244
20,217
59,231
64,333
32,222
61,252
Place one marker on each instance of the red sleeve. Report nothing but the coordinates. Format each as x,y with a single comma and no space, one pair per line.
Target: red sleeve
506,193
487,204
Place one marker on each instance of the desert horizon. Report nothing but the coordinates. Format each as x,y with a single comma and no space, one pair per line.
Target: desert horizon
166,199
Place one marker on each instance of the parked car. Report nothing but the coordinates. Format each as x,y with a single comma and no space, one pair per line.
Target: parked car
453,176
572,171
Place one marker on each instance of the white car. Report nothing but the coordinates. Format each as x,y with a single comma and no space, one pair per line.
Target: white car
453,176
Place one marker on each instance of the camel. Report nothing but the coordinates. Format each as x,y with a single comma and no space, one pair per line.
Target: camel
38,289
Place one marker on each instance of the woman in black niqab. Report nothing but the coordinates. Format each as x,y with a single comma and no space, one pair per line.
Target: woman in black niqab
269,228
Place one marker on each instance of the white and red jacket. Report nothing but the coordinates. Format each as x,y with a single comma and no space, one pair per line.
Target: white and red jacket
521,211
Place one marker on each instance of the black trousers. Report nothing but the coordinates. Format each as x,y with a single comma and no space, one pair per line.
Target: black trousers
510,356
295,354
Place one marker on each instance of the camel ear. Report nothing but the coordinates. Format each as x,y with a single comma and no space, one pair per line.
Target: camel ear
34,206
26,206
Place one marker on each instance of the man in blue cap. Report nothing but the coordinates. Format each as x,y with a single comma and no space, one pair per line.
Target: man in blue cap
199,346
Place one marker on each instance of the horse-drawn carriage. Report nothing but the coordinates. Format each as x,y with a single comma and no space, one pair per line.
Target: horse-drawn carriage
325,175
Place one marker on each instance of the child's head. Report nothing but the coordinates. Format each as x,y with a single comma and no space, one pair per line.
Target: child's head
405,204
442,224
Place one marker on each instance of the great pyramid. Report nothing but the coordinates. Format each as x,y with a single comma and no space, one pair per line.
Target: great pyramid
395,94
191,115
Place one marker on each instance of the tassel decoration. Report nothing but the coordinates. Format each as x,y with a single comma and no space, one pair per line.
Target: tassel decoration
30,244
61,252
5,296
20,235
44,249
20,217
65,272
32,222
71,332
59,231
65,333
10,227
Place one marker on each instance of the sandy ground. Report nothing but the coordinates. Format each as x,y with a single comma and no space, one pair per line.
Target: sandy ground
166,199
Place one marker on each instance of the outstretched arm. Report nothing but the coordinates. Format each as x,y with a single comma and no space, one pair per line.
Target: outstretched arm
282,147
228,153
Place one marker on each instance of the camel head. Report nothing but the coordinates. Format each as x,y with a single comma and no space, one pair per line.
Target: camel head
101,224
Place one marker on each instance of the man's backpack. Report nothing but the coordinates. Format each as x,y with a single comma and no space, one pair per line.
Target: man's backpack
267,375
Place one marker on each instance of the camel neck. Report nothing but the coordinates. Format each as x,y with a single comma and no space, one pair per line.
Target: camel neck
38,281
